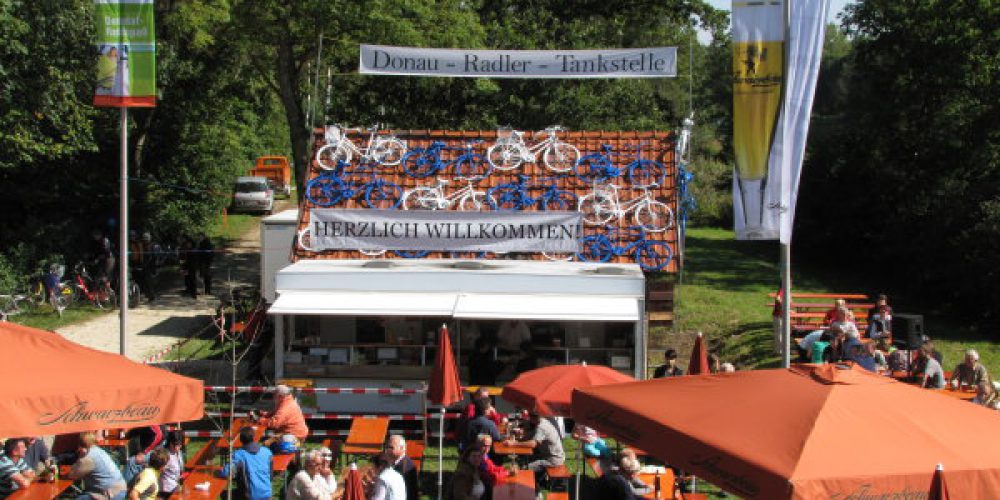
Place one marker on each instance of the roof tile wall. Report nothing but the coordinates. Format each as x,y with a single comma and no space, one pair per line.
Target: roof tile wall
657,145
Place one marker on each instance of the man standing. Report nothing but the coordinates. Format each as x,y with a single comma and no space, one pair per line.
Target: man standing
206,253
251,467
669,367
404,466
14,472
287,416
969,373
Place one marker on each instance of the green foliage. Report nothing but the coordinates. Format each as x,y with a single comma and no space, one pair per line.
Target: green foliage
905,152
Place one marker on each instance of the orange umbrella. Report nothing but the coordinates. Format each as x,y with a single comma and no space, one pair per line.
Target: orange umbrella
54,386
445,389
547,391
939,489
353,489
810,431
699,357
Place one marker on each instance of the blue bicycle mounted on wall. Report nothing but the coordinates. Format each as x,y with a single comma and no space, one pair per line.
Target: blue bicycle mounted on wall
516,196
600,167
336,186
425,162
651,255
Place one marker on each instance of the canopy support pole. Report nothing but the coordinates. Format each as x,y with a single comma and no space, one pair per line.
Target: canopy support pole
441,453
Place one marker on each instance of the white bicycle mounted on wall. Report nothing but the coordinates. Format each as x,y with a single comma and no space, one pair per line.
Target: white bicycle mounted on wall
510,150
468,198
304,239
603,204
381,149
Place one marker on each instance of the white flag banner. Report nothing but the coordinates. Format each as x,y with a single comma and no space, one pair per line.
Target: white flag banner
443,230
771,110
652,62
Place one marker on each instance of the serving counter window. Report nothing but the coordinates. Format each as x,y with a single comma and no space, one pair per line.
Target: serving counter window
489,352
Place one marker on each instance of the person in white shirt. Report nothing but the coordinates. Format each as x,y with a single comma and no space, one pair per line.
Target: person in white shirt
387,484
309,483
325,478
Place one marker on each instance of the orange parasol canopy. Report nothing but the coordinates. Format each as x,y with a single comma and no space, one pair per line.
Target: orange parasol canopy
699,357
547,391
810,431
445,387
54,386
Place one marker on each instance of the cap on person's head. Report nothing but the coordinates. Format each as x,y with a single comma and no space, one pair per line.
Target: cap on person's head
670,354
246,435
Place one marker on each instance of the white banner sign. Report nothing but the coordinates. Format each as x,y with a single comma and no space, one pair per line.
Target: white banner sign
652,62
449,231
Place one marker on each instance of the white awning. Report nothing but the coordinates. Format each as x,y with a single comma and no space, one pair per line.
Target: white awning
462,306
364,303
547,307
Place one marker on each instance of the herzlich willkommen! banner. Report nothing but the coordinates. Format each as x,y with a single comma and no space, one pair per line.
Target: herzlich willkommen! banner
651,62
126,53
772,101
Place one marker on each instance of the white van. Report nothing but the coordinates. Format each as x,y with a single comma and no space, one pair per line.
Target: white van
253,194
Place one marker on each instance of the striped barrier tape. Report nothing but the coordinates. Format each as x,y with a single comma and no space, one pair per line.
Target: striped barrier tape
316,433
325,416
318,390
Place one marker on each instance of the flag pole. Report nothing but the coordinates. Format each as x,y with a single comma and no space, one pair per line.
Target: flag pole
786,247
123,236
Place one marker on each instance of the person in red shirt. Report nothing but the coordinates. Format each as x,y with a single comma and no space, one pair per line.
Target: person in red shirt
490,472
287,417
491,412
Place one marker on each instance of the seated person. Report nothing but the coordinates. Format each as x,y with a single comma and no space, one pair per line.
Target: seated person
880,319
14,471
844,323
926,342
310,483
805,344
593,446
669,367
831,314
490,472
383,482
287,418
629,468
933,375
170,477
820,351
147,483
546,443
858,353
970,373
986,395
491,412
99,472
480,424
251,468
618,485
467,482
404,465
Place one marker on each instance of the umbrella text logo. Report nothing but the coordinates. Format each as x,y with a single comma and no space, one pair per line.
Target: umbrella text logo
131,413
738,483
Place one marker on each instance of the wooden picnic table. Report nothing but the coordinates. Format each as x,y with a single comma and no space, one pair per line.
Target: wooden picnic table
216,485
502,448
366,436
223,442
280,463
42,491
516,487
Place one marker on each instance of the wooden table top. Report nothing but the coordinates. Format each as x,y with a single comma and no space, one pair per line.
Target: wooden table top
519,487
502,448
366,436
216,485
42,491
279,463
234,433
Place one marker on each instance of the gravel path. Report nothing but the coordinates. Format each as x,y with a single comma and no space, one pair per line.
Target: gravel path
174,316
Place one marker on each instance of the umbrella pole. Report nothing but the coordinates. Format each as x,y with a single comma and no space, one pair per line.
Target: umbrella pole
441,453
579,454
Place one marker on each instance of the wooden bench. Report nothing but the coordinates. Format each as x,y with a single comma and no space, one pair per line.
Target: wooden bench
415,450
559,476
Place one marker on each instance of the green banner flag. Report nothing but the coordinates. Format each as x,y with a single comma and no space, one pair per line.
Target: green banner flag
126,53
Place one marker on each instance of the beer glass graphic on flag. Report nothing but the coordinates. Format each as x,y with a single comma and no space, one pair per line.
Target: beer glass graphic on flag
758,53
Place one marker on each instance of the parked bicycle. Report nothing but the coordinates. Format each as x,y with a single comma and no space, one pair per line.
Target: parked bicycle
329,189
380,149
98,291
467,198
651,255
516,196
510,150
603,204
424,162
14,304
599,167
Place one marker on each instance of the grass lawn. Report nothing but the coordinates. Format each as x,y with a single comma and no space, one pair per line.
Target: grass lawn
723,293
232,226
45,318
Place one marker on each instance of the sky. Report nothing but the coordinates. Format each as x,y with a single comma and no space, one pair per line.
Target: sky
835,7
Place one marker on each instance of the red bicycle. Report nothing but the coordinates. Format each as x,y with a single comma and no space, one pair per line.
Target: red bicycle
98,291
